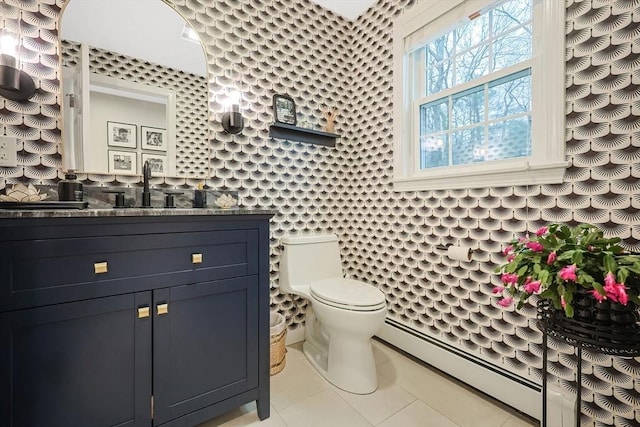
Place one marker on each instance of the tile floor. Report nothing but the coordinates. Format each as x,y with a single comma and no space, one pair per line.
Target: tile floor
409,395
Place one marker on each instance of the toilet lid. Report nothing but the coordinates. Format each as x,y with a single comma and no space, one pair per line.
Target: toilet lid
348,294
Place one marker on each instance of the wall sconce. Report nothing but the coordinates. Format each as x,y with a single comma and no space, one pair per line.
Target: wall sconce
15,84
232,121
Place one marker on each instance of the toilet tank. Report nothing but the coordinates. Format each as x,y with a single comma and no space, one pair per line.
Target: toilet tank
307,258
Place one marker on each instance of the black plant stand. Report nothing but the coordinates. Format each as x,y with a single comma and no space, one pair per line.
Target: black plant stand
613,340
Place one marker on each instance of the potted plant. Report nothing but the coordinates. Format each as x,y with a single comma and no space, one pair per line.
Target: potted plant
562,264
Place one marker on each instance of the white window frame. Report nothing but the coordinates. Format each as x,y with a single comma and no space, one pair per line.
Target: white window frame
547,163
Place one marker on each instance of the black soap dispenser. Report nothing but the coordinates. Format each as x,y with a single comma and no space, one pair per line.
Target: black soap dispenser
70,189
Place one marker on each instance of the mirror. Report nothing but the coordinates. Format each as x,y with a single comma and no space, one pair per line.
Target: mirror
135,88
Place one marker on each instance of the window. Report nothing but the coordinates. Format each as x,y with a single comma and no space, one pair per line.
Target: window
477,102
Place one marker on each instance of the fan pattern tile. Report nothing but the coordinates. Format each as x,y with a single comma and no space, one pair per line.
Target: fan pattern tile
388,238
393,236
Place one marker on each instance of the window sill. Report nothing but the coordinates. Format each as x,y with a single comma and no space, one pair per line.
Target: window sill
472,177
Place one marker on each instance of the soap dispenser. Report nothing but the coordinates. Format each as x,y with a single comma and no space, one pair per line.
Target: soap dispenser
70,189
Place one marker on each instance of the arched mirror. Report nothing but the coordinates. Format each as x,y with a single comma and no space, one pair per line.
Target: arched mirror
135,89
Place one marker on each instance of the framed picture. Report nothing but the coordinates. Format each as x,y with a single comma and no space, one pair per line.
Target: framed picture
284,109
153,138
123,135
157,162
123,162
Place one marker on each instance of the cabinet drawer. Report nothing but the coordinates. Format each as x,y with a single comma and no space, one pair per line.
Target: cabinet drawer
38,272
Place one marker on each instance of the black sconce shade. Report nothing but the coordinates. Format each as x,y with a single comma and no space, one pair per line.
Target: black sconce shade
15,84
232,121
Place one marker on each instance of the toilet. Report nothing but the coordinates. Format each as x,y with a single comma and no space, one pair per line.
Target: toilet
342,316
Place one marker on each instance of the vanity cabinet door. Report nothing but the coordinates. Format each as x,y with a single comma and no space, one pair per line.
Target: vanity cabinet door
205,341
85,363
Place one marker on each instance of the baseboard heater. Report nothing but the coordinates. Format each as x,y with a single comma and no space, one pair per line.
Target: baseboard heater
515,391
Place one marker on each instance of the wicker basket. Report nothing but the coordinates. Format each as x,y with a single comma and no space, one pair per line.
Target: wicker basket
277,338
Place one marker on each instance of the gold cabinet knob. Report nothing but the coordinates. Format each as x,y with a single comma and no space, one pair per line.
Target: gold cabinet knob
162,308
100,267
196,258
143,312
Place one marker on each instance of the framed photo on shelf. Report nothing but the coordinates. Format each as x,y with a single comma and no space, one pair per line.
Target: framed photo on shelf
122,135
284,109
153,138
157,162
124,162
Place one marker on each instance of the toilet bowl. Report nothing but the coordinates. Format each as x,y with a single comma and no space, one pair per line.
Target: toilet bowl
342,316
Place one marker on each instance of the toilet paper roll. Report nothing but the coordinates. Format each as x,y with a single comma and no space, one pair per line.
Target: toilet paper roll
459,253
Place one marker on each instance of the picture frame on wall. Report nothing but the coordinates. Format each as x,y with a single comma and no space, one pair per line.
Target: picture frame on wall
157,163
153,138
124,135
284,109
123,162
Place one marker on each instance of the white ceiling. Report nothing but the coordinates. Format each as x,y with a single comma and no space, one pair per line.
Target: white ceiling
350,9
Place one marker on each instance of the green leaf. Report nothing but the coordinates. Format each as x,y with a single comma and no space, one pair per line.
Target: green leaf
566,255
577,257
568,310
522,271
543,276
610,263
623,273
598,287
563,232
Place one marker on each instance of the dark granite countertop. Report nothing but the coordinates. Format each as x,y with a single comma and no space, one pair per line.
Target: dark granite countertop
83,213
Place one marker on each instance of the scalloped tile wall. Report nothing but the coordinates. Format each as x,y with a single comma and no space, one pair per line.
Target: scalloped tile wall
388,238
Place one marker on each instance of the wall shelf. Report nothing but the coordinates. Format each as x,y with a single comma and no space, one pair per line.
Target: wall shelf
295,133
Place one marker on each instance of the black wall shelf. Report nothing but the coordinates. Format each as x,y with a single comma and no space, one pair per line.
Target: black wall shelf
295,133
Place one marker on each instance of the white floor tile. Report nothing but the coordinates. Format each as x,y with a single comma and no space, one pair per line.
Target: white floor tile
409,394
296,382
245,415
383,353
443,395
384,402
418,414
325,409
515,421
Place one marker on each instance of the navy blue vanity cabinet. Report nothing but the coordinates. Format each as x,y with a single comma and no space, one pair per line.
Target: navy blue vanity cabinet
132,321
84,363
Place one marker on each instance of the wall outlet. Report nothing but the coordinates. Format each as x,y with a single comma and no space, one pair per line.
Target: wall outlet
8,153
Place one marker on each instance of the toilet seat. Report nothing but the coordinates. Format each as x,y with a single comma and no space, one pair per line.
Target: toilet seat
348,294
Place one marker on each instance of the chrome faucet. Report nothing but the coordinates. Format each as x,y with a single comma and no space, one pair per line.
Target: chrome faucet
146,177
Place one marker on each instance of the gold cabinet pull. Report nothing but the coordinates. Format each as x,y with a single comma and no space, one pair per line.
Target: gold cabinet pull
100,267
163,308
196,258
143,312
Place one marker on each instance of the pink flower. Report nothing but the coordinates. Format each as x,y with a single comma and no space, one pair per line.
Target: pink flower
510,278
568,273
532,287
623,298
551,258
598,296
507,250
535,246
505,302
610,279
541,231
616,291
511,257
498,290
